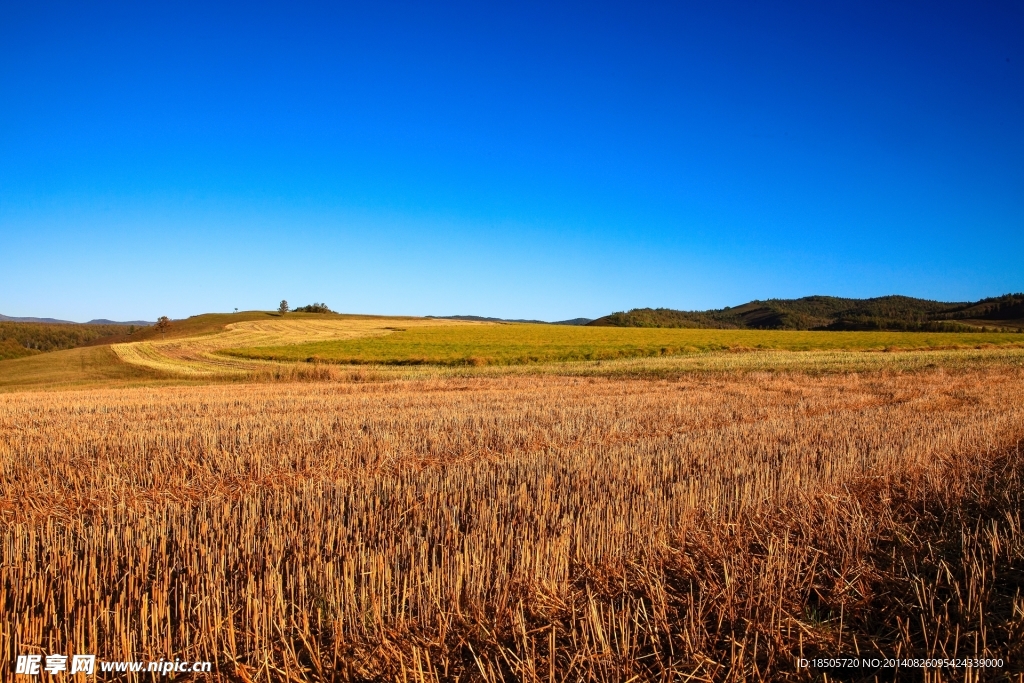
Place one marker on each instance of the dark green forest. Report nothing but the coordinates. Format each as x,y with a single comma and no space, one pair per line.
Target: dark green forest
898,313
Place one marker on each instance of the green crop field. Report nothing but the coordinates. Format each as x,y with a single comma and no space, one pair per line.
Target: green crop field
512,344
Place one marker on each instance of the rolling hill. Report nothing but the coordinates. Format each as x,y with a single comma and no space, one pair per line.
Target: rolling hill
896,313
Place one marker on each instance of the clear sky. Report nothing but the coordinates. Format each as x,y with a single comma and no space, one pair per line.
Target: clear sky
543,160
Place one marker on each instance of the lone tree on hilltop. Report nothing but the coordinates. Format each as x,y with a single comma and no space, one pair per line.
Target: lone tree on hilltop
283,308
162,323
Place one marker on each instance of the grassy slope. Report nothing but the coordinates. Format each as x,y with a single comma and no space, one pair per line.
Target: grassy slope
513,344
79,367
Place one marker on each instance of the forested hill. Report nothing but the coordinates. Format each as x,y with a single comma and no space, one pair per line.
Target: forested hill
835,313
27,339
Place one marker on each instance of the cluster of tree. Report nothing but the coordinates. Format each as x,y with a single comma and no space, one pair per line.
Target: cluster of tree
835,313
11,349
314,308
311,308
23,339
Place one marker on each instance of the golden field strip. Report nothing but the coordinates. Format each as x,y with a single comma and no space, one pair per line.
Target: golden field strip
516,344
657,521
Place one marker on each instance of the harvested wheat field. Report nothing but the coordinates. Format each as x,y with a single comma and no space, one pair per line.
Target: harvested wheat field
713,526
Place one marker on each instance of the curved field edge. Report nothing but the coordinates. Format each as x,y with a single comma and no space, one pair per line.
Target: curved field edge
197,355
524,344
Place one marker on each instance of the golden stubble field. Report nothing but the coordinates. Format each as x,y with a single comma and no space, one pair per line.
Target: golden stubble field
524,528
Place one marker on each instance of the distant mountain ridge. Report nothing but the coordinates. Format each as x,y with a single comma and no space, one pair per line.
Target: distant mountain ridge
55,321
836,313
480,318
104,321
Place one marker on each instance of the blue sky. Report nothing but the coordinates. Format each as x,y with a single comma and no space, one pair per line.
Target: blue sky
515,160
